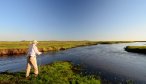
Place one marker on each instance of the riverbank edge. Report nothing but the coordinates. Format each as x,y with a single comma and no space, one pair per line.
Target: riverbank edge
136,49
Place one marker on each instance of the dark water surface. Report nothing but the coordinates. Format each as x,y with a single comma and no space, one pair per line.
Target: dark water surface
107,58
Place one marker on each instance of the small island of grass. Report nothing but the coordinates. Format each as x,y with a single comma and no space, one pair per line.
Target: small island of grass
136,49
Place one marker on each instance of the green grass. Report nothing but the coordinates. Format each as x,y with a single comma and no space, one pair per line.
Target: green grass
56,73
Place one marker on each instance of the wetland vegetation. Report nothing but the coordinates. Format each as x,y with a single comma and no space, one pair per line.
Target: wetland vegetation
20,47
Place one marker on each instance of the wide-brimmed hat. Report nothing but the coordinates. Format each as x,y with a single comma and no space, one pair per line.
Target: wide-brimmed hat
34,42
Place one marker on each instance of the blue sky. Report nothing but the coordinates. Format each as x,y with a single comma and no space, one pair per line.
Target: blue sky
72,20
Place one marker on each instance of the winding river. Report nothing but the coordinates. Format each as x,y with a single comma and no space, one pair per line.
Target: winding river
104,58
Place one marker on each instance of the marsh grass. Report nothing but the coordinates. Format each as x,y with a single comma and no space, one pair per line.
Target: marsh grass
16,48
43,44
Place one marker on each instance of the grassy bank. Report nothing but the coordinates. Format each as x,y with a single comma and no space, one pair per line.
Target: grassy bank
56,73
16,48
136,49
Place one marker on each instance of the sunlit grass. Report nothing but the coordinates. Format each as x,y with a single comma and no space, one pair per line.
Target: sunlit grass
17,48
43,44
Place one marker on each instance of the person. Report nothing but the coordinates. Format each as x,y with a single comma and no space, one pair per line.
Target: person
31,58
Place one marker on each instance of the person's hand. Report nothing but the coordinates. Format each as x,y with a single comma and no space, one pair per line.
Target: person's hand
40,53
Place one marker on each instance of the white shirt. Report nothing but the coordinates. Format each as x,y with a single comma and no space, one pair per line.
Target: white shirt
33,50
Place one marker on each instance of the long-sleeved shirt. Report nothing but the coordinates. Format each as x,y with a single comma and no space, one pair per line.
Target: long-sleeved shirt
33,50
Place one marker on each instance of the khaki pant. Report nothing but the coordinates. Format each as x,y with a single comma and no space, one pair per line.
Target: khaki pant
31,61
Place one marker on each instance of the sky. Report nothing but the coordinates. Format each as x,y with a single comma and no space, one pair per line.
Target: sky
98,20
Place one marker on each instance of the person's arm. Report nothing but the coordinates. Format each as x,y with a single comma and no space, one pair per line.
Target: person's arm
36,50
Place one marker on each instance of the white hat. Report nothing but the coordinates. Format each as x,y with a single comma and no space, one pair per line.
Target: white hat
34,42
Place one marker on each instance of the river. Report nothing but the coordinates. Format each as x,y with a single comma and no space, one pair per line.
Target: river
104,58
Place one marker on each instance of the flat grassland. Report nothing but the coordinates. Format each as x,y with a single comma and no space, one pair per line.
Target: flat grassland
17,48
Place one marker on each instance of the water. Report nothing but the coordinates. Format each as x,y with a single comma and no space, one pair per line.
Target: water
107,58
